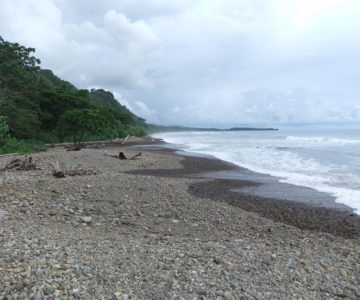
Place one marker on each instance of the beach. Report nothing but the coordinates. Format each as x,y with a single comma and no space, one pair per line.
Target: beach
158,227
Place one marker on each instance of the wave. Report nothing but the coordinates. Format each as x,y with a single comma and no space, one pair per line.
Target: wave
298,160
323,140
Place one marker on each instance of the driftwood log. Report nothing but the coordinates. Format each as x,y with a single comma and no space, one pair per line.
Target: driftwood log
78,147
125,140
18,164
122,156
76,172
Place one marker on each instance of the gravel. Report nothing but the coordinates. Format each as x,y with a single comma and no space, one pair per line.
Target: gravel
116,235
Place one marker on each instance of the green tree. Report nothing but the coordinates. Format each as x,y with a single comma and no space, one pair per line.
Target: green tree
80,122
4,132
18,87
18,68
51,79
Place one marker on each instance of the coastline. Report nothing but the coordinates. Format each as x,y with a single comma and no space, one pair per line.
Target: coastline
128,233
240,187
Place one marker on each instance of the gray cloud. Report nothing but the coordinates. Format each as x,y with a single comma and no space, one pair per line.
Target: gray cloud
203,62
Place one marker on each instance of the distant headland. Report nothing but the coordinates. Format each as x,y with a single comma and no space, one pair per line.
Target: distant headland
151,128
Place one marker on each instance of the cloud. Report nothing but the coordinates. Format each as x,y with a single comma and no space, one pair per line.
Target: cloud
144,111
114,54
203,61
139,108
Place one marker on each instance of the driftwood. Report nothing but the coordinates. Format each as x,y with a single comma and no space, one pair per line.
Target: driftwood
76,172
122,156
78,147
136,155
125,140
18,164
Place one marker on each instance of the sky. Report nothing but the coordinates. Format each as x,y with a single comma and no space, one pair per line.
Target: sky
203,62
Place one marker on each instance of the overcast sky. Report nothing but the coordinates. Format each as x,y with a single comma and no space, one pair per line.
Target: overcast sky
203,62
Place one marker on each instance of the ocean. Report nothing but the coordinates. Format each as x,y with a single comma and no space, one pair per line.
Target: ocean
325,160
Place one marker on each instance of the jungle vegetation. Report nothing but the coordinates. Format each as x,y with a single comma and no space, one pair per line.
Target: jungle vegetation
37,107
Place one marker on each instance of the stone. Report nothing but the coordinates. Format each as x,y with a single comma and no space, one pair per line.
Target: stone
86,219
74,292
25,209
48,290
3,214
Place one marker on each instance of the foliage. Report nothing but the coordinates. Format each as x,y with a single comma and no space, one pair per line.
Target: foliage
4,131
106,98
18,68
18,88
36,104
22,146
50,79
55,102
101,96
137,131
79,122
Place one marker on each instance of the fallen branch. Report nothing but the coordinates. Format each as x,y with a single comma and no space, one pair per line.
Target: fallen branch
125,140
78,147
136,156
122,156
21,165
77,172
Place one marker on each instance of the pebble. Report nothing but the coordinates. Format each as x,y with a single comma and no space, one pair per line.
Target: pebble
3,214
155,247
86,219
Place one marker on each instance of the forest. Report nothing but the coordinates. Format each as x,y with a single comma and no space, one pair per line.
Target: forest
38,108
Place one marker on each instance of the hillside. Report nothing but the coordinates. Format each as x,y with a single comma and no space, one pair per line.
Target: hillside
36,104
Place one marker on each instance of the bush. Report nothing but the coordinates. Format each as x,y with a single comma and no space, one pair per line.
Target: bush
79,123
137,131
48,137
4,132
21,146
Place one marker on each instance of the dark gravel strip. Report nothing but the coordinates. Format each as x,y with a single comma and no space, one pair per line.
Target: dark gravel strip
298,214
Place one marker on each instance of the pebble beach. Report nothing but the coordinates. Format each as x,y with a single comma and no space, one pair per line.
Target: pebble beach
147,228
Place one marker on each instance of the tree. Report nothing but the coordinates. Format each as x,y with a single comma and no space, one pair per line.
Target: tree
80,122
55,102
51,79
4,132
18,87
18,68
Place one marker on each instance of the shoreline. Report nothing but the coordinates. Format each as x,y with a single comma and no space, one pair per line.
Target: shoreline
228,181
123,234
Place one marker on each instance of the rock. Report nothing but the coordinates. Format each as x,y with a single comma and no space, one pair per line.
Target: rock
75,293
86,219
36,297
25,209
44,257
343,273
3,214
48,290
70,211
38,271
226,273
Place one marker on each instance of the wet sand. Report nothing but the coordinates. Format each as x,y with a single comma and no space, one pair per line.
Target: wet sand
298,206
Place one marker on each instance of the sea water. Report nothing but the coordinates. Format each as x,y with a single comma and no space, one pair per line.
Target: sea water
325,160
